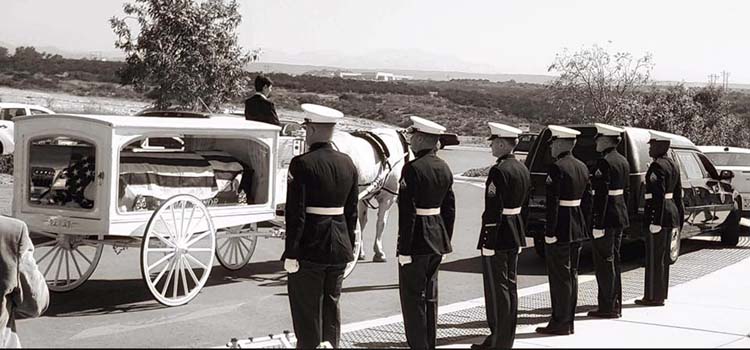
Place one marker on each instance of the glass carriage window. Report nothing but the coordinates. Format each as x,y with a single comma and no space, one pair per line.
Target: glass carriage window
62,173
218,171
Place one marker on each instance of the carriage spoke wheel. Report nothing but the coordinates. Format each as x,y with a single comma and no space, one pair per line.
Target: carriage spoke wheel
177,251
357,249
235,245
66,260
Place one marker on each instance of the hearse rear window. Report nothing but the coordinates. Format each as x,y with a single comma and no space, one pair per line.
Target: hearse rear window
62,172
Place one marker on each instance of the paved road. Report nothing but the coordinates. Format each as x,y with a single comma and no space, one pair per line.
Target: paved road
115,309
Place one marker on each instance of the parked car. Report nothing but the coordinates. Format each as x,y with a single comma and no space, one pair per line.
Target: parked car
525,142
738,161
448,139
8,111
712,205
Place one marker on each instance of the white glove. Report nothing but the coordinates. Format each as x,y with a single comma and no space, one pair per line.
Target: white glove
443,257
520,249
487,252
598,233
550,240
654,228
404,259
291,265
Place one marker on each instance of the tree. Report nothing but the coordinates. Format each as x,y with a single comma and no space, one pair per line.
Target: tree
185,50
3,53
595,84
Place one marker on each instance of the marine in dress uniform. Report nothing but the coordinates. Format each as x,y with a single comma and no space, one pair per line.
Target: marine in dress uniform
321,218
610,218
426,207
664,213
568,209
502,236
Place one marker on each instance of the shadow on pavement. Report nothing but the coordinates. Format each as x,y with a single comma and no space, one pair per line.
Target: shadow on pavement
99,297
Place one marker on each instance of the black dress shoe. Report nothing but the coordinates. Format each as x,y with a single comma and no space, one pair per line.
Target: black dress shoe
479,347
645,302
554,331
602,314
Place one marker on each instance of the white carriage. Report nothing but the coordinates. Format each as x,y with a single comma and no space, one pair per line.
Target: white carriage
183,190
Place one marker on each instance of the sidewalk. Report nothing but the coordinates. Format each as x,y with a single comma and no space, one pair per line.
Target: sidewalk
709,312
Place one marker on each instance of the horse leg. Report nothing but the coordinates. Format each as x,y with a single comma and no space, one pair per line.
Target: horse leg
385,206
362,217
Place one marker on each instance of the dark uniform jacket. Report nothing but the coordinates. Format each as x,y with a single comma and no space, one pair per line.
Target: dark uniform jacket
259,108
663,177
426,183
322,177
508,186
568,179
611,174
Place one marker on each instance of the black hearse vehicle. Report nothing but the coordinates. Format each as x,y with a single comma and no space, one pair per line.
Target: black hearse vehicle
711,205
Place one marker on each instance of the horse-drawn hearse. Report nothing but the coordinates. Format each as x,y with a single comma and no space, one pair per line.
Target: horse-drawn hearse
181,189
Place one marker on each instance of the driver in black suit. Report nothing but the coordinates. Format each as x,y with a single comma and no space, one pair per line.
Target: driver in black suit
258,107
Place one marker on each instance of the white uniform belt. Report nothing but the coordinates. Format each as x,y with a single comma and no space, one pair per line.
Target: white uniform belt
570,203
325,211
511,211
428,211
666,196
615,192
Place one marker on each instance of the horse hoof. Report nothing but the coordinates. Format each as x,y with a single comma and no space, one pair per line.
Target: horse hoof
379,258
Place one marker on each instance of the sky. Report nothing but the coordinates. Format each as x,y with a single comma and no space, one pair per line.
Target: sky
688,39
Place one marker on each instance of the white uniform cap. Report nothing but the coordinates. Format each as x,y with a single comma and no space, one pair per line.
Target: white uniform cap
659,136
321,114
561,132
608,130
503,131
426,126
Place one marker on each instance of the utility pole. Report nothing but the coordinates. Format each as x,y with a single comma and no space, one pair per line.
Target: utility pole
725,80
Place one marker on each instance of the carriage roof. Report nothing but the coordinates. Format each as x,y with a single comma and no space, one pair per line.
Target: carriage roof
212,122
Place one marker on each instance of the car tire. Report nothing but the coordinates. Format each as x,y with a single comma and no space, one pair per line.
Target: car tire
730,233
675,245
539,246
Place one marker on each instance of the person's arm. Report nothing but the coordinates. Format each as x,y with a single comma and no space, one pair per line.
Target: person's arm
448,210
492,218
657,188
248,110
587,204
678,196
32,296
272,116
600,184
553,202
350,207
295,210
406,211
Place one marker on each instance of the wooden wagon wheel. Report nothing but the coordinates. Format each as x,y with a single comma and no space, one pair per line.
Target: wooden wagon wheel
177,252
235,245
66,260
357,248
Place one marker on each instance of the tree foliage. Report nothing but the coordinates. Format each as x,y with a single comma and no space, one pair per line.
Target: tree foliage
595,84
184,50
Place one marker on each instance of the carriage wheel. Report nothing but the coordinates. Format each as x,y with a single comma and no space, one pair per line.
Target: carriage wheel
357,248
235,245
177,251
66,260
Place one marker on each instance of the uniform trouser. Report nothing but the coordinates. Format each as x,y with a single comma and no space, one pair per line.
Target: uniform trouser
562,269
501,298
314,293
657,265
418,288
606,254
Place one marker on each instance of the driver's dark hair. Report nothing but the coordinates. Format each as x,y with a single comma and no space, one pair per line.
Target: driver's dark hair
262,81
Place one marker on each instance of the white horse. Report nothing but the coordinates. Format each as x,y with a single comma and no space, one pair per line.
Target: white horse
378,179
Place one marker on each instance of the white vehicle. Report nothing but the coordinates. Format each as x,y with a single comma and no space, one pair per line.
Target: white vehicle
738,161
183,190
8,111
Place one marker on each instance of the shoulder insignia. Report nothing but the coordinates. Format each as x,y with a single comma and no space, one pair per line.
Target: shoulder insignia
549,180
653,177
402,183
491,190
598,173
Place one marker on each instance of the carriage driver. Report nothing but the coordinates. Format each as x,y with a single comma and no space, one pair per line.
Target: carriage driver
426,210
321,218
